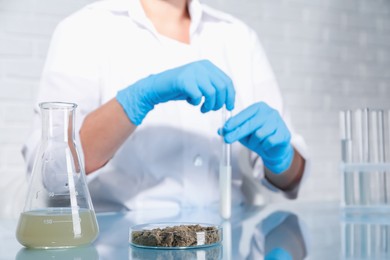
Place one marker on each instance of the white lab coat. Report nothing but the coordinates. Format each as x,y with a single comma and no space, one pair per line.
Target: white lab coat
172,159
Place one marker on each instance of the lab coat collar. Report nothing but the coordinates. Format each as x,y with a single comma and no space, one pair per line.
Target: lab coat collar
195,9
137,13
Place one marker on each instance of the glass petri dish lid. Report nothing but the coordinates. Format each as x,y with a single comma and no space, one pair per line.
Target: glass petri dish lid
175,235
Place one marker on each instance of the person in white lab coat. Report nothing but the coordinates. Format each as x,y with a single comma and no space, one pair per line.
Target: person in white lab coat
138,70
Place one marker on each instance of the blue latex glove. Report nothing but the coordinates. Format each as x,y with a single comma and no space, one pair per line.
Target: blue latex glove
278,254
189,82
261,129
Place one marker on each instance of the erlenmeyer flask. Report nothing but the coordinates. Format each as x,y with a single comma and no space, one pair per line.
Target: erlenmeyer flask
58,212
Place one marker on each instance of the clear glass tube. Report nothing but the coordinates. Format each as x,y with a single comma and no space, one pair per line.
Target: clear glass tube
364,147
225,174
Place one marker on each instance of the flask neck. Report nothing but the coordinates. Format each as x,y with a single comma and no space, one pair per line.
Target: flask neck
58,121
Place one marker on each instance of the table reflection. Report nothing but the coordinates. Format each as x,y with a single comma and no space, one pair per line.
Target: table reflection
76,253
212,252
279,236
366,236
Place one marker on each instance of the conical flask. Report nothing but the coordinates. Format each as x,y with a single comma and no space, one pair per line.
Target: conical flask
58,211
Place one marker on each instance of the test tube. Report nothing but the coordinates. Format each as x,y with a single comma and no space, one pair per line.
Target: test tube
376,152
386,156
225,174
346,155
364,178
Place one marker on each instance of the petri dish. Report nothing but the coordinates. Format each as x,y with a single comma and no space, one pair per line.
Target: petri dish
175,235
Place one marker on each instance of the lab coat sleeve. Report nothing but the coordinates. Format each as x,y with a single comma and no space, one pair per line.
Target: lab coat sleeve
266,89
70,74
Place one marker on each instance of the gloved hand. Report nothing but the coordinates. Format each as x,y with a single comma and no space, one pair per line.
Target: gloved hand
261,129
278,254
189,82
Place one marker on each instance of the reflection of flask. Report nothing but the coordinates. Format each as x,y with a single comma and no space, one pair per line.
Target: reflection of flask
58,211
76,253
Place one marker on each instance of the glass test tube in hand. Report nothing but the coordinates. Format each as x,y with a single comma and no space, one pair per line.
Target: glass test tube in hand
225,174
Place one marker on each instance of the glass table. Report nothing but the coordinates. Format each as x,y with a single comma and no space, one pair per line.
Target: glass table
291,230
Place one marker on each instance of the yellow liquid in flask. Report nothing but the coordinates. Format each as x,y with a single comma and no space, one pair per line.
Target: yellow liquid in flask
57,228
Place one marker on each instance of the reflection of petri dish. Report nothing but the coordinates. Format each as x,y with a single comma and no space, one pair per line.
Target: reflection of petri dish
214,252
175,235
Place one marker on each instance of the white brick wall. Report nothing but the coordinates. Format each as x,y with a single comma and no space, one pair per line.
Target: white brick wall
25,30
327,55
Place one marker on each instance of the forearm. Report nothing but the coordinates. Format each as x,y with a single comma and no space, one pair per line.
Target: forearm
289,179
102,133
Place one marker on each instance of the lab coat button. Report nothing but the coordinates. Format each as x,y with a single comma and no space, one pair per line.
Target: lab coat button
198,161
